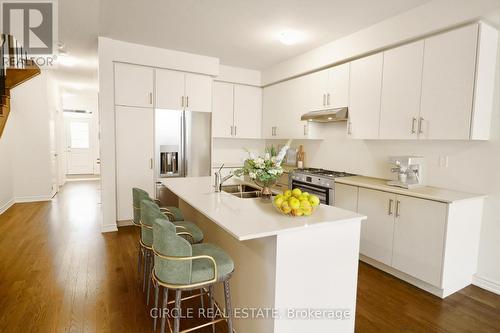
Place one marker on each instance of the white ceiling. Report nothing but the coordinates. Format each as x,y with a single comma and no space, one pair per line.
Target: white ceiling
240,32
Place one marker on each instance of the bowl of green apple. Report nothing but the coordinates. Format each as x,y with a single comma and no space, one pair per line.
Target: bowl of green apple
296,203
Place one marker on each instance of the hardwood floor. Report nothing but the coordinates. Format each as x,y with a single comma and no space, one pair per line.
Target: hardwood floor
58,273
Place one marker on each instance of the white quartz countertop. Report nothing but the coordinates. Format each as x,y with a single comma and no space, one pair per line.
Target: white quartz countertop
424,192
248,218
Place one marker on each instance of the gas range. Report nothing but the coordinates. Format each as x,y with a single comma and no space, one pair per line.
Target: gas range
320,182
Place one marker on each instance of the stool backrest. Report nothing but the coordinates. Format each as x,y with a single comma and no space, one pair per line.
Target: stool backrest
137,196
168,243
149,213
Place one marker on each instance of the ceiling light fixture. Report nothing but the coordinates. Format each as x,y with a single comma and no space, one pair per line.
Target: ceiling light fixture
290,37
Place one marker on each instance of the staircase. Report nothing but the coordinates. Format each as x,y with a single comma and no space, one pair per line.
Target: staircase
15,68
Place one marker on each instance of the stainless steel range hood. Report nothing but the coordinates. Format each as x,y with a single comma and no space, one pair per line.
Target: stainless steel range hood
326,116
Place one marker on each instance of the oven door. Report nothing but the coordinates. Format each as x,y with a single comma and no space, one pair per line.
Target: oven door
324,194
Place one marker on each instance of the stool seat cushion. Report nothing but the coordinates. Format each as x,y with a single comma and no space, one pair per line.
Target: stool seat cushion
202,269
191,228
176,211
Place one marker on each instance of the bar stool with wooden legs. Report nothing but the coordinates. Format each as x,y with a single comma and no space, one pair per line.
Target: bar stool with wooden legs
181,266
149,212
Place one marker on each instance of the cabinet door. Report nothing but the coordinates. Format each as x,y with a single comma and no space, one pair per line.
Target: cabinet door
337,92
222,112
448,83
364,100
247,112
377,231
133,85
346,197
419,238
169,89
401,85
315,89
134,156
273,101
198,93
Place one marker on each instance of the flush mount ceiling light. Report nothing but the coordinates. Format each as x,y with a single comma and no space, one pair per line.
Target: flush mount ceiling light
291,37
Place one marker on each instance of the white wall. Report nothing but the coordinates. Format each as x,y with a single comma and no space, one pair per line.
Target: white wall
6,167
233,152
85,100
473,166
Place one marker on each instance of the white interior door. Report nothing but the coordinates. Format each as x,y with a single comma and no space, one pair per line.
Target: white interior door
134,156
79,156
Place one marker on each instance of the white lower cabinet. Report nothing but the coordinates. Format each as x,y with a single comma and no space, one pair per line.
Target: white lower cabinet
378,230
134,155
431,244
419,238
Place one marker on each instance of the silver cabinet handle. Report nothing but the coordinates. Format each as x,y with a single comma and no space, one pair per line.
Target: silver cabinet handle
231,130
151,98
151,163
349,128
389,212
328,99
420,127
398,203
187,101
275,130
413,123
235,130
182,101
324,99
305,129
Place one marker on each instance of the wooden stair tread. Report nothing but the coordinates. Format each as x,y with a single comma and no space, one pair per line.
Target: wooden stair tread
16,76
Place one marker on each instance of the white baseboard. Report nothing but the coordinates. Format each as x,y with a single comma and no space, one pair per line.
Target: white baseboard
33,198
109,228
487,284
6,205
124,223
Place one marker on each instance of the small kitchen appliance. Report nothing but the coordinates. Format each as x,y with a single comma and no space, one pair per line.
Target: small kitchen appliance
408,170
319,182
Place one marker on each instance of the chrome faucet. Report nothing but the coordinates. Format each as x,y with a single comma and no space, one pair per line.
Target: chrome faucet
219,180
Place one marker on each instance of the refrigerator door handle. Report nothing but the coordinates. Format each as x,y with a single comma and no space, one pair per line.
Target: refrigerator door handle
183,142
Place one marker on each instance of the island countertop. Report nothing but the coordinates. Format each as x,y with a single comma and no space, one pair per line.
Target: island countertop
249,218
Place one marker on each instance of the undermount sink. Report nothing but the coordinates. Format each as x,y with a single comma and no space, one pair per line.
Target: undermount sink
242,191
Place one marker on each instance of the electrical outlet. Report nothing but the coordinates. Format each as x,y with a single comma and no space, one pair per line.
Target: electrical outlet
443,161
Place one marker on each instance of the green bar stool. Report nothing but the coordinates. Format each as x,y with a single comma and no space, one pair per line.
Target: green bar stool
173,214
150,212
181,266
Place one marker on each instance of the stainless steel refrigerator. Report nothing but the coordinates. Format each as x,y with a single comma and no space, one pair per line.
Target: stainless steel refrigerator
183,143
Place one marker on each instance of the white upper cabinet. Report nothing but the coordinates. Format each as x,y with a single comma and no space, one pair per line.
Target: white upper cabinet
419,234
237,111
448,84
337,91
273,99
169,89
247,112
198,93
364,100
178,90
133,85
223,106
401,86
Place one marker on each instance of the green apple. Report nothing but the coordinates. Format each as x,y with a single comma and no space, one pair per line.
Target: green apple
287,193
314,200
306,194
305,204
296,192
278,201
285,208
294,203
297,212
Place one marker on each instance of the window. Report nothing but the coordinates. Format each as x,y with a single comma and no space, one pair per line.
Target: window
80,136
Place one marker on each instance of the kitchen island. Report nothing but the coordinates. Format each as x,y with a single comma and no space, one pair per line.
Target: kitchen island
291,274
